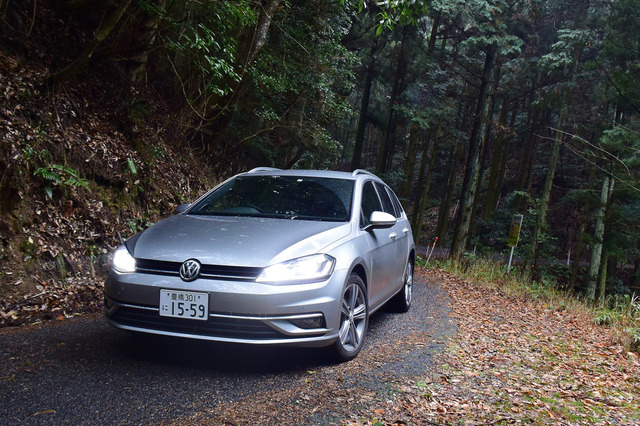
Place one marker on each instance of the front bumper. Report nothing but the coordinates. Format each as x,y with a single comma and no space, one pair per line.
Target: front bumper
239,311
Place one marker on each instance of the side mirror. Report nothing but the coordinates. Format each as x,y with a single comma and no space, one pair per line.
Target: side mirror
381,220
181,208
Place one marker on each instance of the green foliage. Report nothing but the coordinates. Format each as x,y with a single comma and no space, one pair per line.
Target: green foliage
607,317
292,94
562,53
131,166
620,146
62,176
201,44
557,273
634,338
139,112
391,13
29,247
198,43
32,157
481,269
138,225
620,50
622,312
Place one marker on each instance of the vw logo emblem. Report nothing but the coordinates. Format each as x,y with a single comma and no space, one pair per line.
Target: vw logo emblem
190,270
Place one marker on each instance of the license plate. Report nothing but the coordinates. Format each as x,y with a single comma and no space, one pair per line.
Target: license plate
184,304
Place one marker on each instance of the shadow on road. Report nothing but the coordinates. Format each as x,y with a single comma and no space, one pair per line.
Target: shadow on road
213,356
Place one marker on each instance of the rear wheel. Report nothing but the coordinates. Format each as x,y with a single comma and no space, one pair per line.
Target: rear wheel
402,301
354,319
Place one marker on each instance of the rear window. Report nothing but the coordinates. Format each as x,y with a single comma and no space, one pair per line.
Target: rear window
290,197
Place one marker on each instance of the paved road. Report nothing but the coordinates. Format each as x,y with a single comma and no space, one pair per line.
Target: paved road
82,371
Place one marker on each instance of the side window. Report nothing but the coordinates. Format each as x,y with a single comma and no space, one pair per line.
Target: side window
370,203
387,204
396,203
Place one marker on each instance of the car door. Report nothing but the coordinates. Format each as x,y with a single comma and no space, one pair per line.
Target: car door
382,249
400,236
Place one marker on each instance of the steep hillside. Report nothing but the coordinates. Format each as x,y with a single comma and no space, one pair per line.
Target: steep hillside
82,165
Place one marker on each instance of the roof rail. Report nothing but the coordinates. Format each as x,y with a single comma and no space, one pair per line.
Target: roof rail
264,169
357,172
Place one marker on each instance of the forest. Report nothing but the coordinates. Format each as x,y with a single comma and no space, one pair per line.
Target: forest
473,111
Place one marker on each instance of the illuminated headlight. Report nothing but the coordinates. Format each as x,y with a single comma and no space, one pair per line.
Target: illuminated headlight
123,262
317,267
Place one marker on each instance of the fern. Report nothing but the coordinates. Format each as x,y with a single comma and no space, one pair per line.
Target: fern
48,174
60,175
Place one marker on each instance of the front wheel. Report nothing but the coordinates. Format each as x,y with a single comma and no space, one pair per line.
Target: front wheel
354,319
402,301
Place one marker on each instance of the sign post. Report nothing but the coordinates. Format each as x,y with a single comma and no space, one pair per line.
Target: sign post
432,249
514,235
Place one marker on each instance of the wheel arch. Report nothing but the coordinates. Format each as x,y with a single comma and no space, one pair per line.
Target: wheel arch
360,271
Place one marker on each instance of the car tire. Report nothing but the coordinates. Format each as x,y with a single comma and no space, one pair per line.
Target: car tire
401,302
354,320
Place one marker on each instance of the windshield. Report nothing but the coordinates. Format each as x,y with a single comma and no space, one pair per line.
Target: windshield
291,197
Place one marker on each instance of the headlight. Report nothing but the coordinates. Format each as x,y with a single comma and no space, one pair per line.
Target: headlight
123,262
317,267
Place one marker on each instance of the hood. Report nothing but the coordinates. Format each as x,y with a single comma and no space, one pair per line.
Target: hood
235,241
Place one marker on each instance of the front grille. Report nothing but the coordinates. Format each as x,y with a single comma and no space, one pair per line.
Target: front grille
214,327
214,272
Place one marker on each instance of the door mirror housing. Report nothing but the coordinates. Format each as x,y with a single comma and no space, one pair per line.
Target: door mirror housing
181,208
381,220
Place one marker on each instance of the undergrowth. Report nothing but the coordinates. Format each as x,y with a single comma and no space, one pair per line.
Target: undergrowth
620,313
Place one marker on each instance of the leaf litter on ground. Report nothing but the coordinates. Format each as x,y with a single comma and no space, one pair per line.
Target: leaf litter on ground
514,360
517,360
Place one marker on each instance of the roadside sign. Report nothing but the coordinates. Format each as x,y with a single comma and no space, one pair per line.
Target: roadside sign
514,233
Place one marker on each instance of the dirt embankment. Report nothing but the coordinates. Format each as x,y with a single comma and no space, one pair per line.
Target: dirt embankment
82,165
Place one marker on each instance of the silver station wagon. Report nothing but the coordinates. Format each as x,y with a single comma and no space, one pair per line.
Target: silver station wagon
270,256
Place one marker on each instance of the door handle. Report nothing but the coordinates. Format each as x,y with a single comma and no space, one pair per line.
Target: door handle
405,230
393,235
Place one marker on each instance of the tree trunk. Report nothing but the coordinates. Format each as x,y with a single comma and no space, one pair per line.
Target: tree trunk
445,207
136,39
580,242
526,161
412,149
596,251
602,276
424,185
577,255
251,46
103,31
364,108
259,37
410,163
506,149
384,147
472,169
493,187
457,152
635,280
582,11
541,220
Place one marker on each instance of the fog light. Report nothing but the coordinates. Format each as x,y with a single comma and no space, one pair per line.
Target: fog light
309,323
109,306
